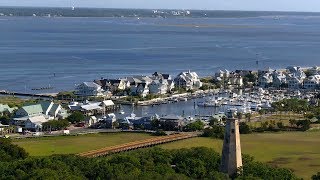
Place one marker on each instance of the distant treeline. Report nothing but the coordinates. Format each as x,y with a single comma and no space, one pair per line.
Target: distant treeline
104,12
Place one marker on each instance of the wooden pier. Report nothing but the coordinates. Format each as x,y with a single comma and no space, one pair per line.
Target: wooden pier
137,144
3,92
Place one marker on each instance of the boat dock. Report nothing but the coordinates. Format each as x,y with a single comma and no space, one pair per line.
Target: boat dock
138,144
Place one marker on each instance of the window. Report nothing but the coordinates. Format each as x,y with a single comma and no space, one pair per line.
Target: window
232,131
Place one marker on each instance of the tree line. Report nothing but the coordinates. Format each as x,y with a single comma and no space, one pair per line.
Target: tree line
153,163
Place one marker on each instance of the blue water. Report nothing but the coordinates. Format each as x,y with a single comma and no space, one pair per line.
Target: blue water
33,49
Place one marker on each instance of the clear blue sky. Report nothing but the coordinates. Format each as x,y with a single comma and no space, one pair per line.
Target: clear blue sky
270,5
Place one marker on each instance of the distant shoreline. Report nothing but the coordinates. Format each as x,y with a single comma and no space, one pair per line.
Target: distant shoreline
153,13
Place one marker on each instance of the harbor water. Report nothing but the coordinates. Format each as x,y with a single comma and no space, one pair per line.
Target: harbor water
54,54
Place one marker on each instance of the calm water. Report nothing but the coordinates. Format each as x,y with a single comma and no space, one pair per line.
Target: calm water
33,49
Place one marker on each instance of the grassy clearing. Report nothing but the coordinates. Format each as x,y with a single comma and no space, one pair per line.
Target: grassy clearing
299,151
14,101
76,144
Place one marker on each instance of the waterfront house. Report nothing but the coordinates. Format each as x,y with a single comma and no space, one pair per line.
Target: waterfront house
236,80
89,89
158,87
142,89
188,80
294,82
160,76
314,70
171,85
222,74
278,79
296,71
87,108
265,80
312,82
112,85
90,108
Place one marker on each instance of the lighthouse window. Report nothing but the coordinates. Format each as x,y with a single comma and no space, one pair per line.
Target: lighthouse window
232,130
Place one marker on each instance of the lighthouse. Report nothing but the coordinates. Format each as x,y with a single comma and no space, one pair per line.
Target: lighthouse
231,159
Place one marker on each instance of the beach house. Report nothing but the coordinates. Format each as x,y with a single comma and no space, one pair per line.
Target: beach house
89,89
265,80
188,80
158,87
312,82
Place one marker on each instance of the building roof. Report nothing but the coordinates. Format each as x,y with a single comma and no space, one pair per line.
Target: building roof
54,108
93,106
33,109
3,107
91,84
45,105
101,82
171,117
108,103
6,108
38,119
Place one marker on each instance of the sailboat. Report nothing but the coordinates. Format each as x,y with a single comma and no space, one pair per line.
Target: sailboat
72,8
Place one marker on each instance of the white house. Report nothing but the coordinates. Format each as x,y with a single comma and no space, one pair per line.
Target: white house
188,80
294,82
312,82
315,70
31,115
47,108
264,80
158,87
278,79
222,74
236,79
88,89
113,85
141,89
35,122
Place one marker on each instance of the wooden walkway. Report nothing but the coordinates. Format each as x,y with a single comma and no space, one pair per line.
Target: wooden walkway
137,145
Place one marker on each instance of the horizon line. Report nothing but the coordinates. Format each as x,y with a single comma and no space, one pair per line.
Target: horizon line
83,7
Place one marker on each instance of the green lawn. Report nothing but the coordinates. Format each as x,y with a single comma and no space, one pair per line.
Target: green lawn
299,151
76,144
